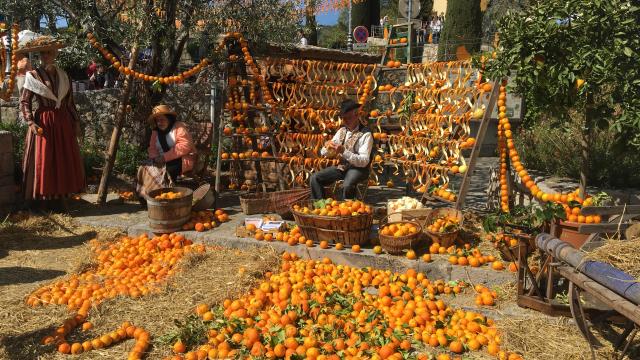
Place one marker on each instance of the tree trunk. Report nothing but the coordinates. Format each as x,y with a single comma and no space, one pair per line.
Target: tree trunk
311,23
365,13
117,131
461,34
585,142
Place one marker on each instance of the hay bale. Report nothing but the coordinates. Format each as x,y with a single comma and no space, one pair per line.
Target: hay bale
621,254
544,338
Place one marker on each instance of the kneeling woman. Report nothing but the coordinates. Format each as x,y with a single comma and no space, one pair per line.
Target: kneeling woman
171,151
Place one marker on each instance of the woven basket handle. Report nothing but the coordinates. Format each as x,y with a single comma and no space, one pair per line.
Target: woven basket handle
264,188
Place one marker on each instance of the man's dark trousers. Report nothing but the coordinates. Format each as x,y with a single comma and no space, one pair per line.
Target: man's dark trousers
352,177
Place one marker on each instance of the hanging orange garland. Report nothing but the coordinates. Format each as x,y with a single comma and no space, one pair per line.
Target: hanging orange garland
507,148
145,77
250,62
6,95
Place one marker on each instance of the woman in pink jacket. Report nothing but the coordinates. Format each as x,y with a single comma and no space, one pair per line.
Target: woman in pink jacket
171,151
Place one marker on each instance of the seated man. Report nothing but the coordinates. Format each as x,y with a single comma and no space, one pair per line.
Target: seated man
352,143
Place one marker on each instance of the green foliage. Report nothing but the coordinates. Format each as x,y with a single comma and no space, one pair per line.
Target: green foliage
462,27
612,163
334,37
192,332
128,159
18,131
550,45
530,218
495,11
92,157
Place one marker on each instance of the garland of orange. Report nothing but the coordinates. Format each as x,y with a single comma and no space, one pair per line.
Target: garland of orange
250,62
145,77
14,65
506,146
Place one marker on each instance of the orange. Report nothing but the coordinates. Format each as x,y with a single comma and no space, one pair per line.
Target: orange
64,348
179,347
355,248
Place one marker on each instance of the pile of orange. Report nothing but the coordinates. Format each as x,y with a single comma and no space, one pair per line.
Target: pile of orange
126,195
485,296
444,224
499,239
387,87
128,267
169,195
206,220
444,193
337,208
394,64
399,229
319,310
124,332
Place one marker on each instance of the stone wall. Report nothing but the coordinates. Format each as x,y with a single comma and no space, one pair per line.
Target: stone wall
97,110
7,187
9,111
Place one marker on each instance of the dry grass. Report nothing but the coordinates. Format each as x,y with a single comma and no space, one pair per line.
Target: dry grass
544,338
621,254
56,246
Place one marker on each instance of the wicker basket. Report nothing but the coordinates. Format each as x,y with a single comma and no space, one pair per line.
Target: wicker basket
348,230
444,239
397,245
282,201
256,203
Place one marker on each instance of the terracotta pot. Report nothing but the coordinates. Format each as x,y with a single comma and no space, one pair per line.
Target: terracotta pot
567,231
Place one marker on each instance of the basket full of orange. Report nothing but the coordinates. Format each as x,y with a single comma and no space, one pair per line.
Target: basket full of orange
169,208
398,236
348,222
443,226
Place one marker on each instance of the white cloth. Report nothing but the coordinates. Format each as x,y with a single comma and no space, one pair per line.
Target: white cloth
38,87
363,147
436,26
303,41
171,141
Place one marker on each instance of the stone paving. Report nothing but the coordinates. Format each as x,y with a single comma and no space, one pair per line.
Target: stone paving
132,218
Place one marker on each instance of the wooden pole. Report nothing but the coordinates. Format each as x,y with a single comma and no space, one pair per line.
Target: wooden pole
482,130
117,131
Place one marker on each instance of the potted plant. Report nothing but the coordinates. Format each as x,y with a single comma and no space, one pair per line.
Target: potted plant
568,231
522,222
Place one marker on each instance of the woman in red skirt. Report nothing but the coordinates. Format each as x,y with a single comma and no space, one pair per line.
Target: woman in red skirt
52,167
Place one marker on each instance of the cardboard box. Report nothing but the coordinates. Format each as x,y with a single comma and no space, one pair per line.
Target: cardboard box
268,226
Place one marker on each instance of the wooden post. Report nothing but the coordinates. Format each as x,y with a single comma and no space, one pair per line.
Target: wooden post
482,130
117,131
220,129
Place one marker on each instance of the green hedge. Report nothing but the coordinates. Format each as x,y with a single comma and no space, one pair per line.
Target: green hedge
554,148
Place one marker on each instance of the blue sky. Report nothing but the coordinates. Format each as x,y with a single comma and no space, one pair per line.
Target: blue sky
328,18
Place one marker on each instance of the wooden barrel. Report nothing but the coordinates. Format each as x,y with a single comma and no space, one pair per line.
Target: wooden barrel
167,216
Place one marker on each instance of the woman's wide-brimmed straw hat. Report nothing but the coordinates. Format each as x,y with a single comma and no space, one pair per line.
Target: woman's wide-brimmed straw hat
40,43
158,110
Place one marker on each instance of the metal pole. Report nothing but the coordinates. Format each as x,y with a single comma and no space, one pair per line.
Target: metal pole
7,69
350,30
